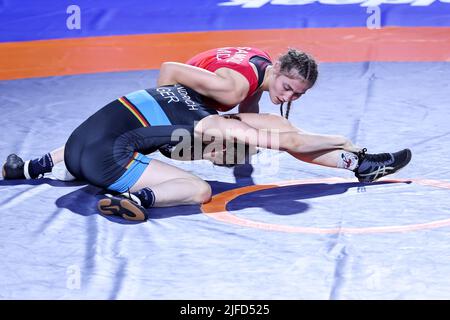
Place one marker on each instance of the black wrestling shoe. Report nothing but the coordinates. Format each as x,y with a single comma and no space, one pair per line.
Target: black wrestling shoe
372,167
13,167
124,205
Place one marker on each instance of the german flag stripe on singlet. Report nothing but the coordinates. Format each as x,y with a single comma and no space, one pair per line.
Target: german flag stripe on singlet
149,108
133,158
134,111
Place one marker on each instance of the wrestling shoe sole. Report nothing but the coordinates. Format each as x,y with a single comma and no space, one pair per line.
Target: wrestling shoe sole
124,208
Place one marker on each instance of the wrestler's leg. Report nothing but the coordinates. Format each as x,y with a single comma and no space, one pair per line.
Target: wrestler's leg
329,158
159,185
172,186
16,168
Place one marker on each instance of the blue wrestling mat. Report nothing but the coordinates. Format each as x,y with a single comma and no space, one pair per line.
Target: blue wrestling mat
284,229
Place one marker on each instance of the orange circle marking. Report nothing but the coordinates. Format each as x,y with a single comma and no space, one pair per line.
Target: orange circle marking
216,209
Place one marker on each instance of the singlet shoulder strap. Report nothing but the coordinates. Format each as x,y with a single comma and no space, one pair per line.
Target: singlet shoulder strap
261,64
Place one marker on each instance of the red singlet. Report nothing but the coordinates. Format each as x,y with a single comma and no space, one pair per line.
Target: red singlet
235,58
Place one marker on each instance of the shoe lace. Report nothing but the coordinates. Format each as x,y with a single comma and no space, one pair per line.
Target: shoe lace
129,194
378,157
361,155
131,197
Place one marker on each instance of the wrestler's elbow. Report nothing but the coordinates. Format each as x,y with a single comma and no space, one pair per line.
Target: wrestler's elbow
166,74
236,96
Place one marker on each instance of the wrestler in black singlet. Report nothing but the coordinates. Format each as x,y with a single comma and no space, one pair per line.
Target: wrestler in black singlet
108,149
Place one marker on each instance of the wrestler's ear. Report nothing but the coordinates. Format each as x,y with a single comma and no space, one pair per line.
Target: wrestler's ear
277,67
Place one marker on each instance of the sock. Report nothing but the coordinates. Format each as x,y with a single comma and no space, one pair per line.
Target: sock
146,196
36,167
348,160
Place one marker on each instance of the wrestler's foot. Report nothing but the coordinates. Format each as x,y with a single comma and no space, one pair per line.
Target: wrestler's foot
374,166
13,168
127,206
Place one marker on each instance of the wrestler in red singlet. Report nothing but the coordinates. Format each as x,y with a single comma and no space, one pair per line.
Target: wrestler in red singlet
238,59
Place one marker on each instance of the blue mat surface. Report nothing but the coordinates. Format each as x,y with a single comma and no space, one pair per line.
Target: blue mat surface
55,245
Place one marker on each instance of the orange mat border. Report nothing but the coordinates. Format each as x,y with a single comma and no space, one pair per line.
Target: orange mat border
137,52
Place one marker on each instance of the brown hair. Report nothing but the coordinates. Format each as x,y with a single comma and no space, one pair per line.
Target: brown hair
301,62
295,63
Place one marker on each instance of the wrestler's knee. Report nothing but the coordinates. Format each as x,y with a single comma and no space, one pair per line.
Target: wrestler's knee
202,191
281,122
